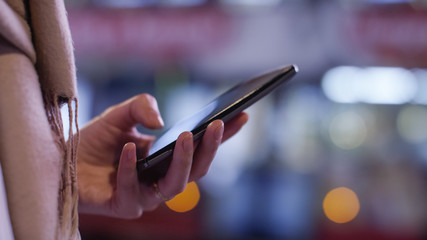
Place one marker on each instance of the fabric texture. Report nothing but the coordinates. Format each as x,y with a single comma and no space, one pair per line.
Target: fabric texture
37,77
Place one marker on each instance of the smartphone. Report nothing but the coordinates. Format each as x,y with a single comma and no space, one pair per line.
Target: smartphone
224,107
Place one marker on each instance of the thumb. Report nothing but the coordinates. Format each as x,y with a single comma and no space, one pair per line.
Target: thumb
141,109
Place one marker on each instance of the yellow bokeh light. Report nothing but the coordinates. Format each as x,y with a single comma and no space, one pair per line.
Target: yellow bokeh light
187,200
341,205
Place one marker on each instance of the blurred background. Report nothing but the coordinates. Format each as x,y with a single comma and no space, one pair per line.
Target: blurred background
339,153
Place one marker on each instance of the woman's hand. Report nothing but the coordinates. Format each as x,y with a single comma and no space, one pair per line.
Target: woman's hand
106,165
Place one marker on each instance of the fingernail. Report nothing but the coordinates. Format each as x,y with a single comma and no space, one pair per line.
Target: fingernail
219,130
187,143
130,150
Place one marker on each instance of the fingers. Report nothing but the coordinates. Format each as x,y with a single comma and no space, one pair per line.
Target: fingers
193,167
234,125
126,198
179,171
188,165
140,109
207,149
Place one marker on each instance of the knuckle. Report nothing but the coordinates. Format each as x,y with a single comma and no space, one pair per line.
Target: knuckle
201,174
204,172
131,213
148,98
151,207
179,189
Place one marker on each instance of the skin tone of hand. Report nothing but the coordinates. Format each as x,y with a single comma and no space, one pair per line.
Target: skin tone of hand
106,166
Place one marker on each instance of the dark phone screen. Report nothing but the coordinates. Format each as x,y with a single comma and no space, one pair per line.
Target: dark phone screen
224,107
221,103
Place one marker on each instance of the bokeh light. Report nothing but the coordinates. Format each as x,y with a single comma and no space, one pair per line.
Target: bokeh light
348,130
341,205
375,85
411,123
187,200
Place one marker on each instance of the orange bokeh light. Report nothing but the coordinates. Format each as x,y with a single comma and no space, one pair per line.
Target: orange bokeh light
341,205
187,200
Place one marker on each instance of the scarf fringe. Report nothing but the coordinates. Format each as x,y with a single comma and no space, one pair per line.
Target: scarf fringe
68,193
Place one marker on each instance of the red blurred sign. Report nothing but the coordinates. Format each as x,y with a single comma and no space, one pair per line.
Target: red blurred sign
150,33
396,35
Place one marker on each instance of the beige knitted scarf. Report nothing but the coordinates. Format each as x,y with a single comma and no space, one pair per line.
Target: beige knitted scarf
39,29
